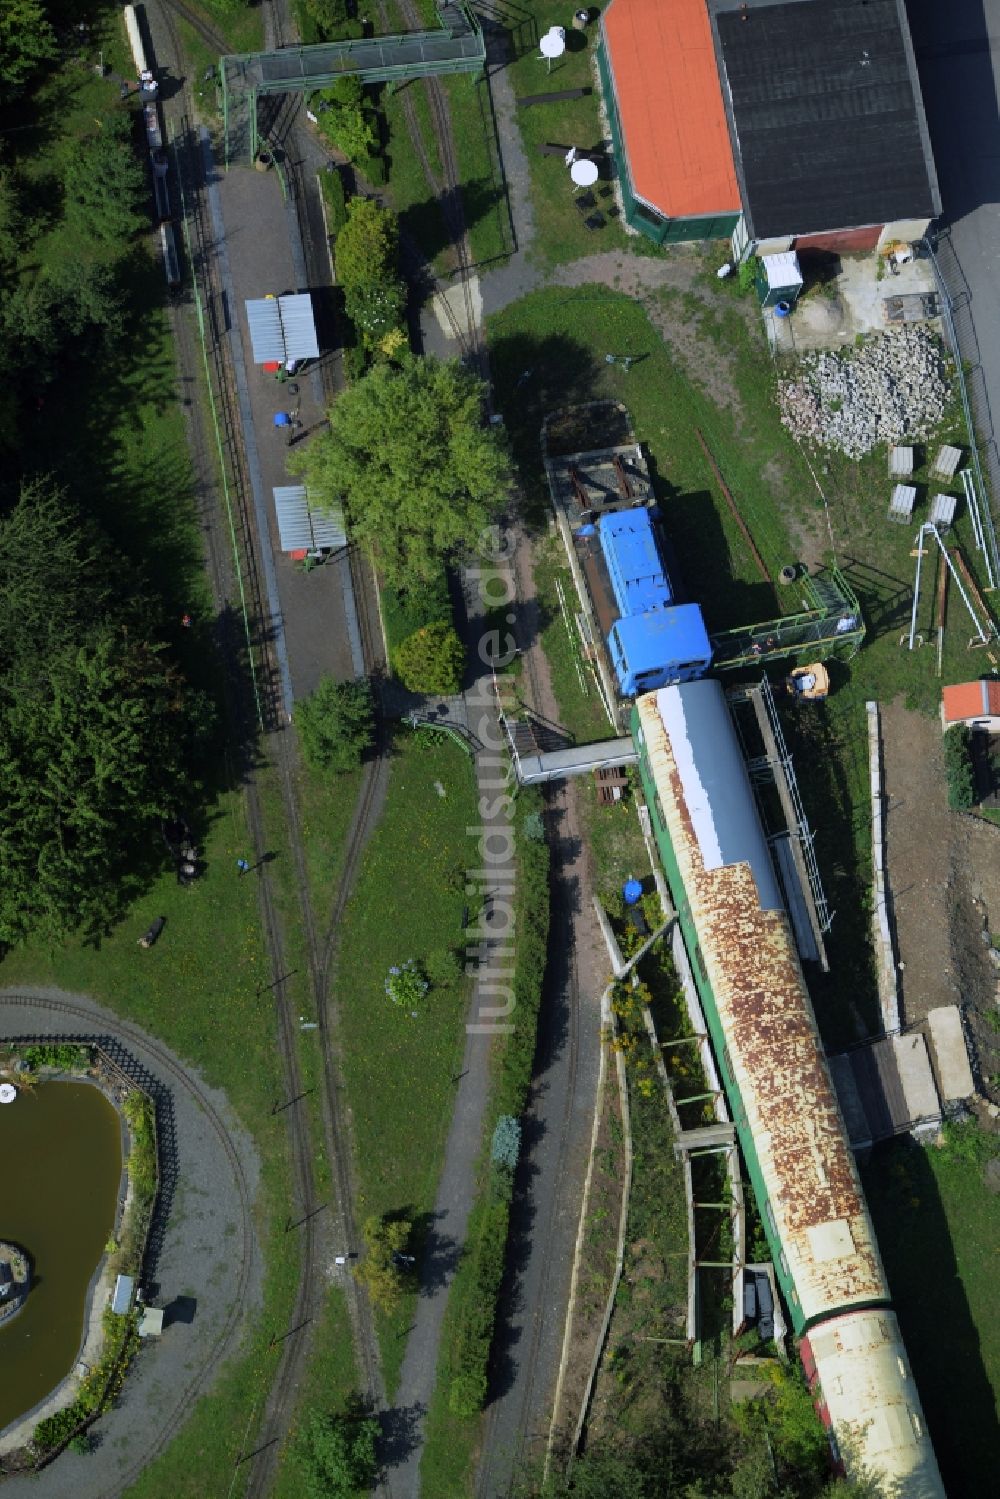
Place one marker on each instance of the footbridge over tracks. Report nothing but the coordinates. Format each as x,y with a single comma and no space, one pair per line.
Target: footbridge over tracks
457,47
830,625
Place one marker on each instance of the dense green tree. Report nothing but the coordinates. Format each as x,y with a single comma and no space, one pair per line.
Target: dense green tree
337,1454
419,475
96,726
431,660
367,247
26,42
336,724
349,128
381,1272
105,181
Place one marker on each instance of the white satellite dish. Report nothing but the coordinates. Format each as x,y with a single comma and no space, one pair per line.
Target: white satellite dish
584,172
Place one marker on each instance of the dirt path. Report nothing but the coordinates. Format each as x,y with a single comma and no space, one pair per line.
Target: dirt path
944,873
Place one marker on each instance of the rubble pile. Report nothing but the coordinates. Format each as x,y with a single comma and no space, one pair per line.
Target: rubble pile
891,389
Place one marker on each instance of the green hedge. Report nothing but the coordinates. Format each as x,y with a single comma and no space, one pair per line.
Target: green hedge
405,614
335,198
531,931
958,768
479,1277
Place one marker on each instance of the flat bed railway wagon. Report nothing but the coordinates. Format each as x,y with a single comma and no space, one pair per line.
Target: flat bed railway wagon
767,1046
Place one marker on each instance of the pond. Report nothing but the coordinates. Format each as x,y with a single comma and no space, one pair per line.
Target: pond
60,1169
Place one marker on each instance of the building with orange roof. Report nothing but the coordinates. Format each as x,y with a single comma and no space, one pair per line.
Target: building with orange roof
974,704
668,121
787,124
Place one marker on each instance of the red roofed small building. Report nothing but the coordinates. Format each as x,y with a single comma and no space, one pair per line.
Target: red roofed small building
975,704
668,120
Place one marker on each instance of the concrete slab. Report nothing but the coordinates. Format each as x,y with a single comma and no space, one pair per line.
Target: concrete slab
852,302
915,1076
265,256
951,1057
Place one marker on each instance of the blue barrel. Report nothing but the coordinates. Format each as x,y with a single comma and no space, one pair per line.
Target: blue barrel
632,891
781,309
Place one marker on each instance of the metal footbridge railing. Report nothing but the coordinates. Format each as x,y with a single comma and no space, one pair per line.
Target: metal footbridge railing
830,625
456,47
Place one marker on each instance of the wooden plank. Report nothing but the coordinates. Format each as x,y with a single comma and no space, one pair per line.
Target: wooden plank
567,93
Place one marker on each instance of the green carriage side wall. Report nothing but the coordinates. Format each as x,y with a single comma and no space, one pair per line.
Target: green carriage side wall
639,215
689,932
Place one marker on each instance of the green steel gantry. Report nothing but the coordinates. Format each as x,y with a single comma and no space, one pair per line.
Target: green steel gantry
458,47
831,626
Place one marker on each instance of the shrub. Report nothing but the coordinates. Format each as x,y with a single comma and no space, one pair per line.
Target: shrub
487,1253
337,1454
431,660
506,1145
335,198
382,1270
336,724
355,363
746,276
531,936
958,768
393,344
65,1057
376,308
405,984
368,244
139,1112
374,169
348,128
443,967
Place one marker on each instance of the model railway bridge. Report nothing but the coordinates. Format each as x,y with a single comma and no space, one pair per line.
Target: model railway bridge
457,47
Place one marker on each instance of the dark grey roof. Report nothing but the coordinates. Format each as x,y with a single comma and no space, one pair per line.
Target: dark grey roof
825,113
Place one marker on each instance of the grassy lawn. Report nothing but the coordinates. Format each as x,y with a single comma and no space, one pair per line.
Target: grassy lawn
939,1230
407,903
559,231
483,200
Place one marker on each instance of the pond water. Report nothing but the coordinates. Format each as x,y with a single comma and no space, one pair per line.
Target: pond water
60,1168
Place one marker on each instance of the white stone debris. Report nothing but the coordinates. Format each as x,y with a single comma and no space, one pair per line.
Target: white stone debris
894,387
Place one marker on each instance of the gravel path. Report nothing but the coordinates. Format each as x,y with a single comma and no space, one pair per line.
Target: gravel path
205,1240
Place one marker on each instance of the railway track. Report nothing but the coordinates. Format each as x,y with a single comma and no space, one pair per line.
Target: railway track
168,1066
320,948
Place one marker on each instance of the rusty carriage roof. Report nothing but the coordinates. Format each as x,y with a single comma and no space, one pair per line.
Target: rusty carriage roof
748,953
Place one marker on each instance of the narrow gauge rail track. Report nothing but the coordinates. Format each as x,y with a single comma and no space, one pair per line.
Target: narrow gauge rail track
280,1403
170,1067
188,156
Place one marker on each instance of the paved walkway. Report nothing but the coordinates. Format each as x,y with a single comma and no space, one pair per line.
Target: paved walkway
196,1271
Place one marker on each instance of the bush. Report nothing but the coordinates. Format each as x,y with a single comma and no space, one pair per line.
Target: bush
376,308
337,1454
65,1057
421,604
382,1271
958,768
368,244
487,1255
139,1112
374,169
336,724
531,933
443,966
431,660
348,128
355,363
335,198
746,276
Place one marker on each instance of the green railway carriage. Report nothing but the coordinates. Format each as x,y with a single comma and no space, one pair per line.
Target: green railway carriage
768,1051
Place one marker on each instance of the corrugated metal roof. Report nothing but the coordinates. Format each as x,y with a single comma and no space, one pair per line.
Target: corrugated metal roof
301,527
749,956
299,326
870,1392
282,328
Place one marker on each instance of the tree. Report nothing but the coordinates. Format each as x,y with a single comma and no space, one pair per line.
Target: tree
336,724
97,728
958,767
367,247
105,181
419,475
26,41
431,660
381,1271
337,1454
350,129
